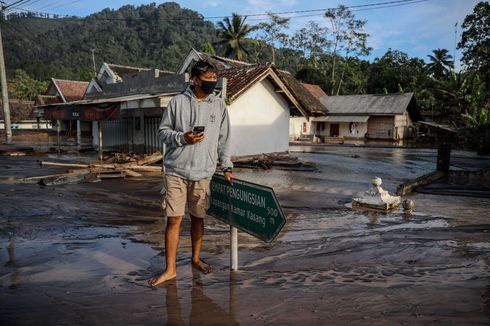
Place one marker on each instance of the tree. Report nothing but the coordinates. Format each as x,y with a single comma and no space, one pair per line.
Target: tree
348,37
311,41
208,48
441,63
272,32
395,70
23,87
475,40
232,36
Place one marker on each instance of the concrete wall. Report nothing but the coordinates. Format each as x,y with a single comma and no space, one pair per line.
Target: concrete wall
296,127
344,130
29,125
259,121
358,130
402,124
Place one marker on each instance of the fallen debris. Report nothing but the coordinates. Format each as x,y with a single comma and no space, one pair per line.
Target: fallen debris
62,178
98,171
281,161
13,150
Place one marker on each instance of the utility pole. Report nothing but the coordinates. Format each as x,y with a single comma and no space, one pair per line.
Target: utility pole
5,96
93,61
455,43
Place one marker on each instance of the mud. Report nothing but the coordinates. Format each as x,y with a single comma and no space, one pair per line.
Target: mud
81,254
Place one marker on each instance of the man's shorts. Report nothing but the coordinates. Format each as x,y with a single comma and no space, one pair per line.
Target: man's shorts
181,191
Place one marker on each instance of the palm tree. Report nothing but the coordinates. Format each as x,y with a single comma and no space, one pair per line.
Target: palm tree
441,63
232,36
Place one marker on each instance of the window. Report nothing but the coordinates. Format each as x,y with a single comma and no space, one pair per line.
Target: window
305,126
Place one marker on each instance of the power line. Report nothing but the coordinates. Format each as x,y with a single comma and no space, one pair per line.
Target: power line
21,4
58,4
10,5
372,6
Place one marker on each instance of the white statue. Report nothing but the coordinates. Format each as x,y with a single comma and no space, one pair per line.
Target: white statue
377,198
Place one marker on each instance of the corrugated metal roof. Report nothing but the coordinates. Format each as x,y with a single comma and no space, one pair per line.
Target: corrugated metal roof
342,118
389,104
113,99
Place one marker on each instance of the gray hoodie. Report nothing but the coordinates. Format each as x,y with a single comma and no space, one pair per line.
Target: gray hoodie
195,161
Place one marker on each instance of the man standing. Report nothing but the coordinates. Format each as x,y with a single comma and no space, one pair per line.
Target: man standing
196,130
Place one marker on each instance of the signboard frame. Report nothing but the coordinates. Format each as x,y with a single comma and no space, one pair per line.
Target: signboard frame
234,220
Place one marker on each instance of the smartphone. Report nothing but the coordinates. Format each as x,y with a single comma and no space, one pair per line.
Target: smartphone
198,129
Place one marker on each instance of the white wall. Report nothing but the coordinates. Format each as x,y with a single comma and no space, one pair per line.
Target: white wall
359,132
29,125
259,121
296,127
344,131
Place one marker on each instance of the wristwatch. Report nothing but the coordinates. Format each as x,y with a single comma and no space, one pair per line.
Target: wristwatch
230,170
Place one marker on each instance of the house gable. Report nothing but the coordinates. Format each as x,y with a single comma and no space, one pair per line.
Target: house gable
260,120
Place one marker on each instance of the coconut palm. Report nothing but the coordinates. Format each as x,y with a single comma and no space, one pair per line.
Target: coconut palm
441,63
232,35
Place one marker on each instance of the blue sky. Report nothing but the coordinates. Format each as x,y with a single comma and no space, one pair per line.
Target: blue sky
416,28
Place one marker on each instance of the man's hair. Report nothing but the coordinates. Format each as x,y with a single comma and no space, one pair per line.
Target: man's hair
201,67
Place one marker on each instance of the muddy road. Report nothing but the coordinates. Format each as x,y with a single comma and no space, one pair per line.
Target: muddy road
81,254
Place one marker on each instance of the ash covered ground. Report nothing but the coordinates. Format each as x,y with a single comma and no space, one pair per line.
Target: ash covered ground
81,254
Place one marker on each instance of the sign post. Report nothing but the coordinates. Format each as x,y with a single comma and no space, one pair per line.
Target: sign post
246,206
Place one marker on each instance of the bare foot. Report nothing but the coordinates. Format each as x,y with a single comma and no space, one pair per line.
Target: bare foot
165,276
202,266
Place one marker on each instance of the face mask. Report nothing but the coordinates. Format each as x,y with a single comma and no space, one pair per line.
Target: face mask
208,86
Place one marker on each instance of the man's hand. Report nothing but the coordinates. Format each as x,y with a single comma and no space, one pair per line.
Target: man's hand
192,138
229,177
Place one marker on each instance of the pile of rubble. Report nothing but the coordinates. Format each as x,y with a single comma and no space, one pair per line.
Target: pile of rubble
280,161
118,166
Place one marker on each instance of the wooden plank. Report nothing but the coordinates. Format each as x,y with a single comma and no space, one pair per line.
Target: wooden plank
69,178
155,157
75,165
146,168
36,179
111,175
133,174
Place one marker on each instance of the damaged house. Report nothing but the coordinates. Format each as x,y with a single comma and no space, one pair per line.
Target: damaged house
124,104
380,116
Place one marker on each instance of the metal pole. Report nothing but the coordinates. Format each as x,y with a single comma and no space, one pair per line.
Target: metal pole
234,248
58,138
99,126
79,133
5,96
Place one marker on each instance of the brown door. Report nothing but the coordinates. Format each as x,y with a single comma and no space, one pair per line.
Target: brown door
334,130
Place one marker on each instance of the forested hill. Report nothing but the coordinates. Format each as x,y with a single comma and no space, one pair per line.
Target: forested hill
145,36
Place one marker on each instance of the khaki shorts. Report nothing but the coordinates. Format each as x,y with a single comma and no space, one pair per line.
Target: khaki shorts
180,191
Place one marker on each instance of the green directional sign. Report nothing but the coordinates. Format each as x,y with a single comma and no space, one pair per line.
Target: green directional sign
249,207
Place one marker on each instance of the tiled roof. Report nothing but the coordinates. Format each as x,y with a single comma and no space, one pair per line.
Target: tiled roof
311,104
238,80
315,90
72,90
47,99
19,110
241,78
